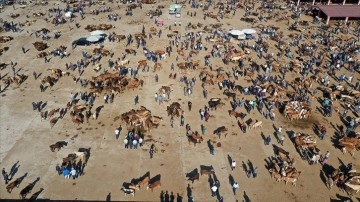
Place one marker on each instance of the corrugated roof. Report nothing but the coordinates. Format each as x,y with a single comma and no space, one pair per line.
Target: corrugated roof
340,10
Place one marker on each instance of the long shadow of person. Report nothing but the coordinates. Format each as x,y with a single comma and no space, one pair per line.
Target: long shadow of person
211,181
246,197
180,198
13,172
250,165
13,167
229,159
36,195
108,197
231,180
244,166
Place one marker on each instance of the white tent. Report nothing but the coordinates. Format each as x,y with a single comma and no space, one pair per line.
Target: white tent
249,31
236,32
94,38
97,32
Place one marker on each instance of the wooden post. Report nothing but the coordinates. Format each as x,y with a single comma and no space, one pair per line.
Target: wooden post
329,2
313,3
344,2
298,2
346,19
327,20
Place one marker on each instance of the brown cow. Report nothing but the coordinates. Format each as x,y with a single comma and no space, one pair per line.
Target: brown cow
195,177
57,145
153,185
207,170
14,184
144,181
53,121
237,114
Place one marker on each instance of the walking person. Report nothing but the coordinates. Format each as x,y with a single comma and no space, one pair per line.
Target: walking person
203,129
235,187
182,120
189,105
151,151
136,99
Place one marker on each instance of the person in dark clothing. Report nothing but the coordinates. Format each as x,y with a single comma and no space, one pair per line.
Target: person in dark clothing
189,105
5,175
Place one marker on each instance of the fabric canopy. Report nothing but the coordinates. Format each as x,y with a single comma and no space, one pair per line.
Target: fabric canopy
97,32
94,38
249,31
236,32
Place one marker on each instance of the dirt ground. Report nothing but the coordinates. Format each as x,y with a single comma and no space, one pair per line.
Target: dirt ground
26,138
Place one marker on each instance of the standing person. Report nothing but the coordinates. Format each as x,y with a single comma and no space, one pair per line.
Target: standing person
73,173
189,105
126,143
255,172
235,187
326,157
5,175
66,173
156,78
322,132
182,120
233,165
151,151
136,99
135,143
117,133
214,190
211,147
172,122
202,112
281,140
203,129
268,140
58,169
156,97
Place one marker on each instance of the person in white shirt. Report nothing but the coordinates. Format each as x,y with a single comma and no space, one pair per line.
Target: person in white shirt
117,133
235,187
73,173
214,190
126,141
233,165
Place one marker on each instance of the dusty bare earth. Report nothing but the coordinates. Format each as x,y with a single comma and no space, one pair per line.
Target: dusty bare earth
26,138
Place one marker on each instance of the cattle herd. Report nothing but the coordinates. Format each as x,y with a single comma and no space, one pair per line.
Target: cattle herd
297,83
